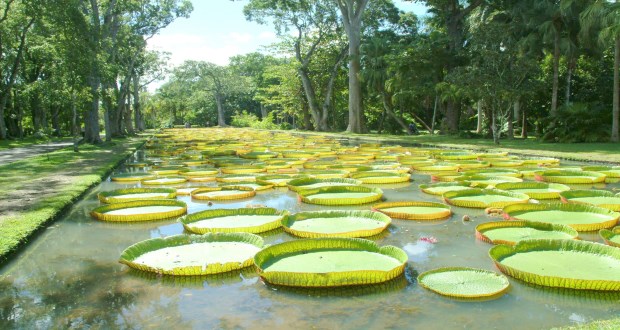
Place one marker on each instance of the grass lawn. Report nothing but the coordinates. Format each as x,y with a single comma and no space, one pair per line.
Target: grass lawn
37,189
613,324
9,144
601,152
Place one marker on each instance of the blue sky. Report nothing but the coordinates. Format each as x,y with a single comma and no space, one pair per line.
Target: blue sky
217,30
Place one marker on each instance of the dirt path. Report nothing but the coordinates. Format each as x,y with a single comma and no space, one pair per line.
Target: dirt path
15,154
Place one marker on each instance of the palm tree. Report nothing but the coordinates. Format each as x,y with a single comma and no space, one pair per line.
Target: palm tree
604,17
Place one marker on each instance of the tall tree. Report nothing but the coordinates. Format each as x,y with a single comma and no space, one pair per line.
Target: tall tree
352,11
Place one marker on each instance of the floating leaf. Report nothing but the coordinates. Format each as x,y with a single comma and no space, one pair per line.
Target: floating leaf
464,282
142,210
336,224
414,210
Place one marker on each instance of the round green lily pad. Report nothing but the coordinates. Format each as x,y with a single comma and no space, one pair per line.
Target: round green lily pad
219,193
483,198
311,183
133,194
249,220
164,180
511,232
464,282
536,190
579,217
414,210
601,198
131,177
346,195
569,177
336,224
442,187
486,181
561,263
142,210
190,255
329,262
380,177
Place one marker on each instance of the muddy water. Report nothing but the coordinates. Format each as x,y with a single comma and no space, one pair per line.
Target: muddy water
69,277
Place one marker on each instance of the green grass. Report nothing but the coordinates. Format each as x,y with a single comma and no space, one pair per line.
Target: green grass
28,141
600,152
612,324
52,182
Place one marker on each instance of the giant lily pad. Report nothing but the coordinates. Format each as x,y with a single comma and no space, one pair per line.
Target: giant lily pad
579,217
171,180
132,177
326,174
380,177
413,210
190,255
347,195
511,232
464,282
483,198
611,237
601,198
561,263
249,220
336,224
143,210
443,187
536,190
568,177
311,183
487,181
502,172
244,169
329,262
221,193
134,194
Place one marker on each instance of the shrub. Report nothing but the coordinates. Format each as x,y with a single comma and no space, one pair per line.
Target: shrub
580,122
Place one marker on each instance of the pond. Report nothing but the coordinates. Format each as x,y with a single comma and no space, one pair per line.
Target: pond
70,277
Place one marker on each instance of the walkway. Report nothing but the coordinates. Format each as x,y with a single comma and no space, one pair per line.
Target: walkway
15,154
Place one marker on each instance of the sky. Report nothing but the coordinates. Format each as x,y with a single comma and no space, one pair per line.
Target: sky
217,30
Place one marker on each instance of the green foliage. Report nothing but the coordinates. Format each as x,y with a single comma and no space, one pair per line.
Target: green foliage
245,119
580,122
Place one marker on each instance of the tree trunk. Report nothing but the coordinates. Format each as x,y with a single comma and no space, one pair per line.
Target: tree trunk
494,127
569,76
479,122
74,120
616,99
221,120
434,114
515,110
310,94
306,117
137,107
556,75
6,90
91,116
387,105
263,111
352,11
524,126
453,116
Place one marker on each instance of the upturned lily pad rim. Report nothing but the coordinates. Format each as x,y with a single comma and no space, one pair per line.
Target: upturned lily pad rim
608,236
501,279
484,227
171,180
612,221
108,197
376,195
134,251
535,185
500,252
332,279
288,221
244,192
427,187
132,177
187,220
411,216
566,176
448,197
380,177
99,213
298,184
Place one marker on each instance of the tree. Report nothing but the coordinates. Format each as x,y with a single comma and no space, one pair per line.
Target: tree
605,16
352,11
